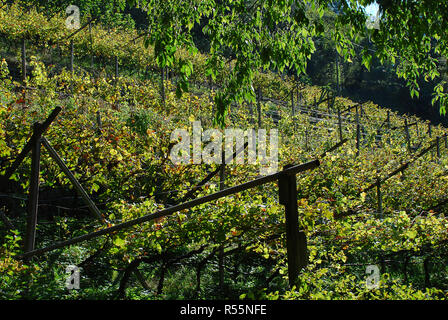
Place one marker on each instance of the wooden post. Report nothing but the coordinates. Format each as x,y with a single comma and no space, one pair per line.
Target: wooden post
408,138
297,254
337,75
358,132
340,124
438,147
23,60
222,179
72,57
259,106
91,46
306,140
116,68
99,124
378,138
379,196
162,85
30,237
292,103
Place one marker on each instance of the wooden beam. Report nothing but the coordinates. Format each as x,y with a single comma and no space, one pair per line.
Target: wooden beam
92,207
170,210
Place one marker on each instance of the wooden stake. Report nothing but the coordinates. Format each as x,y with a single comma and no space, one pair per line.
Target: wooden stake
222,179
408,138
296,243
116,68
23,60
162,85
340,124
438,147
30,237
72,57
99,124
259,106
292,103
379,196
358,132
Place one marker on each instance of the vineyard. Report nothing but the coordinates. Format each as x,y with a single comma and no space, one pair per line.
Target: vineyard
85,140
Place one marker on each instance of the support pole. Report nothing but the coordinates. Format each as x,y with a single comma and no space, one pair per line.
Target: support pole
358,132
340,124
72,57
408,138
297,254
92,207
116,68
30,237
222,179
292,104
162,85
259,96
23,60
438,147
379,196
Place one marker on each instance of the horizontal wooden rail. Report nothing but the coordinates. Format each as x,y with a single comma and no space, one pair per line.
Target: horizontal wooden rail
190,194
334,147
400,169
168,211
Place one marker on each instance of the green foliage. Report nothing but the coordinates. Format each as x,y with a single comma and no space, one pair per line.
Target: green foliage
124,165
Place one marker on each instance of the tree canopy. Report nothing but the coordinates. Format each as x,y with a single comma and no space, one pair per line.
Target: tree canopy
273,35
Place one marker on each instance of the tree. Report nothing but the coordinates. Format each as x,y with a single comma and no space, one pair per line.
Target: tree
279,34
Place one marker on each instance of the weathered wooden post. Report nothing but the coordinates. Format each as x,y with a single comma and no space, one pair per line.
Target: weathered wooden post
116,68
378,138
438,147
72,56
99,124
340,124
91,47
33,190
259,97
162,85
292,103
406,132
296,244
306,140
23,60
379,196
222,186
358,132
